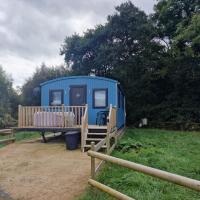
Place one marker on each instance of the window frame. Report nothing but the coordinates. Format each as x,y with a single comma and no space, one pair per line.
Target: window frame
93,98
50,96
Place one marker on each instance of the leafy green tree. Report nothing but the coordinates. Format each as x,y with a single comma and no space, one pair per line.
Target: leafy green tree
187,38
124,49
177,23
31,89
8,100
155,57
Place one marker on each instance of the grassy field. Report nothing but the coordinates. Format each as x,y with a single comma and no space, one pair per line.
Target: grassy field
21,136
172,151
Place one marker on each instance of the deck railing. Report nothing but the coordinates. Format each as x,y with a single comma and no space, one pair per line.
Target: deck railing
50,116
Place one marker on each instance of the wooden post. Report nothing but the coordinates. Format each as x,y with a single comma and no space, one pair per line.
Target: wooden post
92,161
63,116
107,143
19,116
13,133
109,126
82,133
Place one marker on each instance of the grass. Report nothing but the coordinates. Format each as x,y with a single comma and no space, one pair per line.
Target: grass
21,136
173,151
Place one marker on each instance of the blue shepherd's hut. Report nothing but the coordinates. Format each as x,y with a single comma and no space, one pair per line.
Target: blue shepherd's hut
97,92
91,105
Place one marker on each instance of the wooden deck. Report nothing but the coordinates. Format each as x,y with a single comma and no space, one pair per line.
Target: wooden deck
66,118
50,116
47,129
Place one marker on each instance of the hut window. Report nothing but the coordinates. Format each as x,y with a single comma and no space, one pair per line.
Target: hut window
100,98
56,97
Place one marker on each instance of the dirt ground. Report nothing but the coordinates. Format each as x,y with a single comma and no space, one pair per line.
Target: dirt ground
34,170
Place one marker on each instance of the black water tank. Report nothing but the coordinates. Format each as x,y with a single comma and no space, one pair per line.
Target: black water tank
72,139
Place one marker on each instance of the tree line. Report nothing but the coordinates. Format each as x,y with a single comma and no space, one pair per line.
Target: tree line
156,58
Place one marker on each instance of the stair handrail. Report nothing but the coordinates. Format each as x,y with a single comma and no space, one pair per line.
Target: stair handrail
111,119
111,127
84,127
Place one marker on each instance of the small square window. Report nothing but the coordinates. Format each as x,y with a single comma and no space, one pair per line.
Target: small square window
100,98
56,97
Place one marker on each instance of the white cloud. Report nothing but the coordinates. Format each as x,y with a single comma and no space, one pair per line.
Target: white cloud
31,32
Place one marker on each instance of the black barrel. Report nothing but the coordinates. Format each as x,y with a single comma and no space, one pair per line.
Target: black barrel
72,139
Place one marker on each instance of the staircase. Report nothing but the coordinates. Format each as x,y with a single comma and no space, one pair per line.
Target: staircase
95,134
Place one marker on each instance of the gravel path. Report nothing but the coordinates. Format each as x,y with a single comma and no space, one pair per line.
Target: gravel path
33,170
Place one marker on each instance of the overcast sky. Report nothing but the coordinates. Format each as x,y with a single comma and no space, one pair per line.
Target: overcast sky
32,31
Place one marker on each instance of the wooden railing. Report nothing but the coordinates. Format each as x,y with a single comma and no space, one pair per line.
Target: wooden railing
50,116
9,136
84,127
112,119
111,129
163,175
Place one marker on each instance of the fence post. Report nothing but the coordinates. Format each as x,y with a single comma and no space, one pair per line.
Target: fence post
92,161
107,143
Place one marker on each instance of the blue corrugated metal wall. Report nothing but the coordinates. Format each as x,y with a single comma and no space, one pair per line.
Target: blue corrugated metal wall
91,83
120,109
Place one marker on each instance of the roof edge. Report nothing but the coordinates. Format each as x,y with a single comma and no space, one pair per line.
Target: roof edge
75,77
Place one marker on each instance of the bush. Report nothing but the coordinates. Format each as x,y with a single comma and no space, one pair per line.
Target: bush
7,121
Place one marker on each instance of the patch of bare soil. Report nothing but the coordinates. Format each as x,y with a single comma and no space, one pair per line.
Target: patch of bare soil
34,170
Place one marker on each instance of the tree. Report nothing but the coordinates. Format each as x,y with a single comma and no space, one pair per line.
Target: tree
8,99
31,89
177,22
124,49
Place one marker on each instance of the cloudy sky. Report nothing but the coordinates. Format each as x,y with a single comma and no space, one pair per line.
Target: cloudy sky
32,31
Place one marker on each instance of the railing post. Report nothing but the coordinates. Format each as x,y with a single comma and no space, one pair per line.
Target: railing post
63,116
19,116
109,126
108,141
92,161
82,133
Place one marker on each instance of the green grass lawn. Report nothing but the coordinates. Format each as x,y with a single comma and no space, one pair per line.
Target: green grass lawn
21,136
173,151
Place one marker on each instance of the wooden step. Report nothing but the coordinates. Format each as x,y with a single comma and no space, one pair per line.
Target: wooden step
96,127
88,145
97,134
94,139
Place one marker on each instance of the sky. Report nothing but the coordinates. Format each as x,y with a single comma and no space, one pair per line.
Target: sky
32,31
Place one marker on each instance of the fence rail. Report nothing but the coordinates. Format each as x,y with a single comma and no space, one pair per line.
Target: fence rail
163,175
109,190
9,134
50,116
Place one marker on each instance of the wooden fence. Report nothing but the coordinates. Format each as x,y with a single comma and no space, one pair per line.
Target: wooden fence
110,140
116,134
50,116
173,178
9,136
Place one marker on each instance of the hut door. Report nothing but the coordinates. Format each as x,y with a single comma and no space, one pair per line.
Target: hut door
77,95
